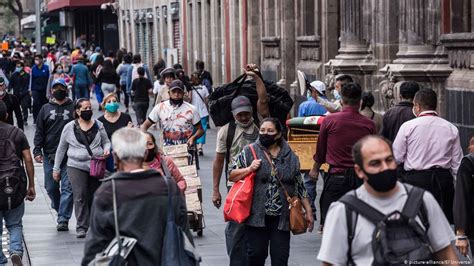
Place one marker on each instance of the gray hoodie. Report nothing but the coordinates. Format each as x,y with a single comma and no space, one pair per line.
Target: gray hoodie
77,154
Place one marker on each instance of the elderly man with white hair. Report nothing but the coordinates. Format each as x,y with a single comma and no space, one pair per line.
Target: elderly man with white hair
142,200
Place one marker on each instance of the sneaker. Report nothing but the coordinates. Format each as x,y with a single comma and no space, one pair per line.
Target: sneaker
61,227
200,152
81,234
16,259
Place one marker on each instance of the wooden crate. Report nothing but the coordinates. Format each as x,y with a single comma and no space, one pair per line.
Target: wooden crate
305,151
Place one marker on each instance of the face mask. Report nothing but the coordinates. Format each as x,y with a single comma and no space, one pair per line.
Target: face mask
59,71
336,94
176,102
18,69
2,93
60,94
383,181
112,107
413,111
267,140
150,155
37,62
86,115
308,95
244,125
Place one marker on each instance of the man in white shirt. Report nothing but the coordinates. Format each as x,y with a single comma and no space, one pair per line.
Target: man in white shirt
179,120
199,98
430,150
374,163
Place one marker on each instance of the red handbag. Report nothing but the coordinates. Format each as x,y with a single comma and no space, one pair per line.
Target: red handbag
238,202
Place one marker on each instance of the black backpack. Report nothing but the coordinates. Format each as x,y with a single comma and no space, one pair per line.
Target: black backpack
12,185
397,237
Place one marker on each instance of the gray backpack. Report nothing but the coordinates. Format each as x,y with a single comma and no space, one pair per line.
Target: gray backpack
12,183
397,237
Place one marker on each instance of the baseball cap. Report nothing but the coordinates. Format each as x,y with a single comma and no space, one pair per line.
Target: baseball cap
60,81
241,104
97,49
319,86
2,81
177,84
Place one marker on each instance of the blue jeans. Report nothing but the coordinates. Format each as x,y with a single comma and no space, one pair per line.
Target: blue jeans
235,243
310,185
81,91
15,228
61,196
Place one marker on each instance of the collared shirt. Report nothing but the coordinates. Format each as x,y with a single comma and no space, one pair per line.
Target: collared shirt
338,133
311,107
428,141
394,118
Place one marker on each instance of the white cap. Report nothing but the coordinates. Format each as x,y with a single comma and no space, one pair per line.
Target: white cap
319,86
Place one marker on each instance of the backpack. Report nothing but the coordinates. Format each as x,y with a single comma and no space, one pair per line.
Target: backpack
397,237
12,184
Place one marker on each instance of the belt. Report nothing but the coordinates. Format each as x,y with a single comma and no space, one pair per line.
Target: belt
434,169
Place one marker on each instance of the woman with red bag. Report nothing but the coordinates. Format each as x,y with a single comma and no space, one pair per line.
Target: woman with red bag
268,223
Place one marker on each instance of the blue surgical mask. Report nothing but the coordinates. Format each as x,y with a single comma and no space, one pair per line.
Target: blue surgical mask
112,107
59,71
308,95
18,69
336,94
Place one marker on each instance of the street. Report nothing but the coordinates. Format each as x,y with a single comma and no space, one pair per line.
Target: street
46,246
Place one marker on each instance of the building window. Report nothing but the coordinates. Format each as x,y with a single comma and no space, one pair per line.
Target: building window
307,17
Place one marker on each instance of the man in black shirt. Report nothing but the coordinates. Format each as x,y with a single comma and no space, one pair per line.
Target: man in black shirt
141,88
13,105
20,84
400,113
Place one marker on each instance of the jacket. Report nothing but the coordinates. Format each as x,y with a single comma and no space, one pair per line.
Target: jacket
394,118
13,106
122,71
142,199
288,166
49,124
77,154
81,75
39,78
463,208
20,84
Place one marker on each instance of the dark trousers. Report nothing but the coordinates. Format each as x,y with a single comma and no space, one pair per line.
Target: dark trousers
83,189
335,186
25,103
258,239
81,91
236,244
126,97
39,99
438,182
141,109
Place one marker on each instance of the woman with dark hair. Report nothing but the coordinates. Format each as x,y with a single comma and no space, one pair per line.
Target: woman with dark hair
268,223
76,136
155,158
58,73
108,79
122,71
366,110
96,69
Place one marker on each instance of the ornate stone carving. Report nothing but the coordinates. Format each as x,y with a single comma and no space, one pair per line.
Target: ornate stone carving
309,54
387,91
271,47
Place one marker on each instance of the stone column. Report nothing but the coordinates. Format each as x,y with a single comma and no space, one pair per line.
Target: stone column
420,58
288,61
355,53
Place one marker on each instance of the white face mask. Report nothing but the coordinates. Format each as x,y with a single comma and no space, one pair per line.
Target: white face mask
413,110
336,94
2,93
246,125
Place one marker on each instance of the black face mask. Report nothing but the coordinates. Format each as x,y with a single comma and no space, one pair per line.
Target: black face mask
86,115
176,102
267,140
60,94
383,181
150,155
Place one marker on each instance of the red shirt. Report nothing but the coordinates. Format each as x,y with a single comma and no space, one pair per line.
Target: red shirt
339,132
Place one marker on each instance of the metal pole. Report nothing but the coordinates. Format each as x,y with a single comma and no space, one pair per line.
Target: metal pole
38,27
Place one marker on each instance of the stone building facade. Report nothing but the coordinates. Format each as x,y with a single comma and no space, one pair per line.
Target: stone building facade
381,43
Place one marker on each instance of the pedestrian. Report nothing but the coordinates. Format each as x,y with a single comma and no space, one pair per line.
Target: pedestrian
82,79
96,69
336,105
401,112
13,105
141,88
366,110
154,159
58,73
76,135
268,222
158,67
430,150
16,158
50,123
132,73
122,71
338,133
162,90
39,84
464,202
179,121
93,57
113,120
375,165
206,77
20,85
311,107
141,192
199,99
108,78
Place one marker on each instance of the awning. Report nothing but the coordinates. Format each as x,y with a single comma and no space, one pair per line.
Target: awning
27,20
59,4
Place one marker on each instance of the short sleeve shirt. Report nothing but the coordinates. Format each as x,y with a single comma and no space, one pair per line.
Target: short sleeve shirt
176,122
198,102
334,245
